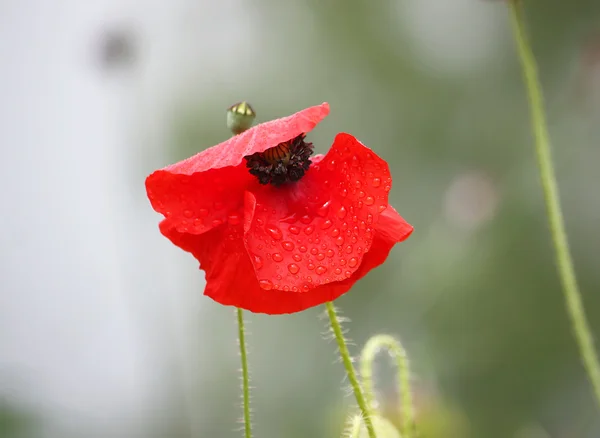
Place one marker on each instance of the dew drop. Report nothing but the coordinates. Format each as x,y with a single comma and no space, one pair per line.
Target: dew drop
302,248
330,253
369,200
265,284
324,209
203,212
353,239
344,192
294,289
353,262
258,262
310,267
339,241
357,184
337,271
234,219
349,249
274,232
320,256
326,224
369,219
348,274
321,270
217,222
376,182
342,212
306,219
288,246
197,222
309,230
297,257
382,208
306,287
188,213
293,268
361,194
277,257
294,230
335,232
342,262
387,188
314,251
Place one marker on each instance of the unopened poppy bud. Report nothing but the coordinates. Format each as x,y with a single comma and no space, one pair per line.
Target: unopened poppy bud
240,117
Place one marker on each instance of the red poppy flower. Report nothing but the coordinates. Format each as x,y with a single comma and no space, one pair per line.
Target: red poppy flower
274,232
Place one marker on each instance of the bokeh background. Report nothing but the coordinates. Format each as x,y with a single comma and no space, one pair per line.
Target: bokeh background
104,331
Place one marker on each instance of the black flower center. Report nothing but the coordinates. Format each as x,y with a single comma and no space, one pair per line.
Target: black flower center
286,162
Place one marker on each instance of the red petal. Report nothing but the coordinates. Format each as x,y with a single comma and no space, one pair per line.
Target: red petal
256,139
317,231
231,278
206,190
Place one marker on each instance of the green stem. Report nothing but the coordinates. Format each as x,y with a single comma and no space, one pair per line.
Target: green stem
245,377
564,262
347,360
373,346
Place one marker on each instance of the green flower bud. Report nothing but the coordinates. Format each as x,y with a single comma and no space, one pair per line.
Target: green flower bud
240,117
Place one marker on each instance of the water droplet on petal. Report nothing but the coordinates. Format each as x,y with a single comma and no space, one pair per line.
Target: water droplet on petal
357,184
188,213
361,194
217,222
376,182
294,230
274,232
337,271
265,284
344,192
277,257
330,253
369,200
203,212
387,188
382,208
314,251
310,266
348,274
306,219
324,209
353,262
234,219
342,262
339,241
302,248
321,270
198,222
297,257
309,230
335,232
288,246
342,212
320,256
293,268
326,224
349,249
258,263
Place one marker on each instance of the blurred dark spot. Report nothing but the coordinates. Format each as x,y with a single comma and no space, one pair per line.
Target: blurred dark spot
117,49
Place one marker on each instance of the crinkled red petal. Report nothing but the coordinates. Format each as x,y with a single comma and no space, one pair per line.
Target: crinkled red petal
231,278
318,230
206,190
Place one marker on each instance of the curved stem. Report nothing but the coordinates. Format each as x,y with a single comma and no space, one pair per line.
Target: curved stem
347,360
564,262
373,346
245,377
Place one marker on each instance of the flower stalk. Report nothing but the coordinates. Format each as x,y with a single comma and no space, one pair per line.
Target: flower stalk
245,375
373,346
564,261
347,360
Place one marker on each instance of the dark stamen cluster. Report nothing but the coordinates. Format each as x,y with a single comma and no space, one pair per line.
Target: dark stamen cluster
286,162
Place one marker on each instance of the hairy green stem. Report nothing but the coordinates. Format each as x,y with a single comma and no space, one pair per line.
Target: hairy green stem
245,377
367,357
347,360
564,262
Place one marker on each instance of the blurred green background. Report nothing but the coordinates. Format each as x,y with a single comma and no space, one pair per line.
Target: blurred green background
434,87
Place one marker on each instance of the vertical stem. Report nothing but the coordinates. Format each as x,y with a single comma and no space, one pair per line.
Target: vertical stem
564,262
367,357
347,360
245,377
